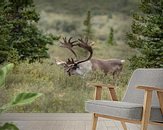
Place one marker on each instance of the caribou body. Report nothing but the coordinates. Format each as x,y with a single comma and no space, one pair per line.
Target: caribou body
112,66
82,67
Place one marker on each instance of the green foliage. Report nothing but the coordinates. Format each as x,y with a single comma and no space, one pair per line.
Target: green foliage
111,37
20,99
147,35
88,26
8,126
3,73
13,56
25,98
18,32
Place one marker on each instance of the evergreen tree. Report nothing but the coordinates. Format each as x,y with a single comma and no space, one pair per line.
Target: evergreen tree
147,35
88,26
19,33
111,37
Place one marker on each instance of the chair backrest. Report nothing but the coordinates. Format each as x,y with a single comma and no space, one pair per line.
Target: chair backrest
147,77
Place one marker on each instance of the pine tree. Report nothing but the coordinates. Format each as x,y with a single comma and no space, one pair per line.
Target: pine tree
88,26
19,32
111,37
147,35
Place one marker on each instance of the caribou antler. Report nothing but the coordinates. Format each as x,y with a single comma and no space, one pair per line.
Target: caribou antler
70,61
69,44
74,64
85,45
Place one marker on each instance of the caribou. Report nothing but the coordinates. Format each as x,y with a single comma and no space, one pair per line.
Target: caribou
83,66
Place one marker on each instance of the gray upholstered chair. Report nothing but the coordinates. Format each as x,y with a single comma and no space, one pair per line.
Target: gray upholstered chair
143,106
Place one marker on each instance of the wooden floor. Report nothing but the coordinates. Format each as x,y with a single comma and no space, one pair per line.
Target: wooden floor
57,121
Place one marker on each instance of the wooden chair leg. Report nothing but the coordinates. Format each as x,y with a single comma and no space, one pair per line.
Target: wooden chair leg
146,110
94,122
160,98
98,92
124,125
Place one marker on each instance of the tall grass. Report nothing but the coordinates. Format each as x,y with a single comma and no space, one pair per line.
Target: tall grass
61,92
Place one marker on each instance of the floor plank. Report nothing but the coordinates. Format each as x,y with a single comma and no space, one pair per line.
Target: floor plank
57,121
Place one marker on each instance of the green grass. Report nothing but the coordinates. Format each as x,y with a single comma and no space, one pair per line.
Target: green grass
65,18
61,92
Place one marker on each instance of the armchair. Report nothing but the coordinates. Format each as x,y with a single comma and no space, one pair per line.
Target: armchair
138,107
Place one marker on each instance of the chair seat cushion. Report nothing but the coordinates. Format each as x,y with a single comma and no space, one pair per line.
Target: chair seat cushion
125,110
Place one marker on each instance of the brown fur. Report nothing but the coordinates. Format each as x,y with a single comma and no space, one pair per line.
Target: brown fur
113,67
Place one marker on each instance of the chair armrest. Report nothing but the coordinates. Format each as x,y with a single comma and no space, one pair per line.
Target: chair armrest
149,88
98,90
148,91
100,85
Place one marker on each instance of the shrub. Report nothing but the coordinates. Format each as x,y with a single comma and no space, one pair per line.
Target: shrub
111,40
